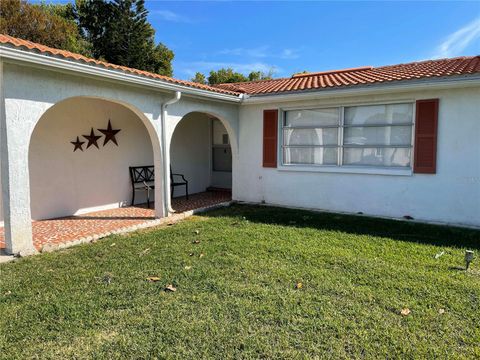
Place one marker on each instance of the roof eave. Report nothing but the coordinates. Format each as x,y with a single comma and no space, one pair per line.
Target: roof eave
372,89
15,55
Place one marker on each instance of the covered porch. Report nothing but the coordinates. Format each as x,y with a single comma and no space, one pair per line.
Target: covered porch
59,232
66,156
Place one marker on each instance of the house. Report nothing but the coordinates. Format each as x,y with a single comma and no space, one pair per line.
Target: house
388,141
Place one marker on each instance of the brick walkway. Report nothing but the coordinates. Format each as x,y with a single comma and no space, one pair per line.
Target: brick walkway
64,230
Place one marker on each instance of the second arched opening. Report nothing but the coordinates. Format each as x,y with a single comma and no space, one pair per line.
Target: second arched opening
201,152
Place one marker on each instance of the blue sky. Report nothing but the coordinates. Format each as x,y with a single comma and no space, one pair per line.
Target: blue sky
294,36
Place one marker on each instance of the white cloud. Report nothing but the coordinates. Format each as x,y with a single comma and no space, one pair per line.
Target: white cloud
290,54
190,69
458,41
168,15
245,60
261,52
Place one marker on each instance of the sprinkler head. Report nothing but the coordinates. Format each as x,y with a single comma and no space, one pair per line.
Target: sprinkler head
468,258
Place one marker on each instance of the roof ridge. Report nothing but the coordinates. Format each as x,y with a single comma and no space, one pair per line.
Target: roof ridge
252,81
348,70
338,71
428,61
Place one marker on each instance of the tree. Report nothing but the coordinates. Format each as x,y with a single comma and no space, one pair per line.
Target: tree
222,76
120,34
162,57
199,78
116,31
92,17
260,75
50,25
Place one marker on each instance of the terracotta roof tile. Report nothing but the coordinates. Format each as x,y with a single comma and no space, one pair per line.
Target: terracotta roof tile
300,82
45,50
361,76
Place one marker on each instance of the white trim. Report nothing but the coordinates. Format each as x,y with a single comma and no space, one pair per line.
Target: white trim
343,103
210,149
95,208
92,71
2,126
166,155
378,88
341,135
347,169
280,122
414,129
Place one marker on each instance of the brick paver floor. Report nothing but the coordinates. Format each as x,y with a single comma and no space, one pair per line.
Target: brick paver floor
63,230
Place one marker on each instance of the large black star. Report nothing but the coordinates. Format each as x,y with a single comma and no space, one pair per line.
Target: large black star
78,144
92,139
109,134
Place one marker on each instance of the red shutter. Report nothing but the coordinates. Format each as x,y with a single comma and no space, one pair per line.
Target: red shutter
270,131
425,159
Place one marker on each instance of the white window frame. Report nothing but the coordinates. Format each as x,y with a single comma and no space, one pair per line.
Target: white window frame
340,167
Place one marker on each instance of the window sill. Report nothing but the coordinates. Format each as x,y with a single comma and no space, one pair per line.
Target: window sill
347,170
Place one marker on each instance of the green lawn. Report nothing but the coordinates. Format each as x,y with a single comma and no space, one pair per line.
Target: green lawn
239,300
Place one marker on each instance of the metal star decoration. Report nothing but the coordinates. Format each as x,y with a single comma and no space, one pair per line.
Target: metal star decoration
77,144
109,134
92,139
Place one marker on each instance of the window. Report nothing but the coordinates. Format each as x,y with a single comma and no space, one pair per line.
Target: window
373,135
311,136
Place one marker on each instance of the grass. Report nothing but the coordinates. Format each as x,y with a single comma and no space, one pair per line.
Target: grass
239,300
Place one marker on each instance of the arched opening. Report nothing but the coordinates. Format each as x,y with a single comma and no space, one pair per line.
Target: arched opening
201,151
72,173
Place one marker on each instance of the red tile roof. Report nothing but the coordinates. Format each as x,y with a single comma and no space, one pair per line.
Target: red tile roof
299,82
45,50
360,76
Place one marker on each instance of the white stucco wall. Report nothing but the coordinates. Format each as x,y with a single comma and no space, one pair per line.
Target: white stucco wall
63,182
31,92
28,92
451,195
220,179
190,153
226,113
1,204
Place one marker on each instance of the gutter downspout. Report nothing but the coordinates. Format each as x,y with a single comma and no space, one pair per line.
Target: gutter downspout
166,155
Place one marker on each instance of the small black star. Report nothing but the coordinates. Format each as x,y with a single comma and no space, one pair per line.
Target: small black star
109,134
92,139
78,144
